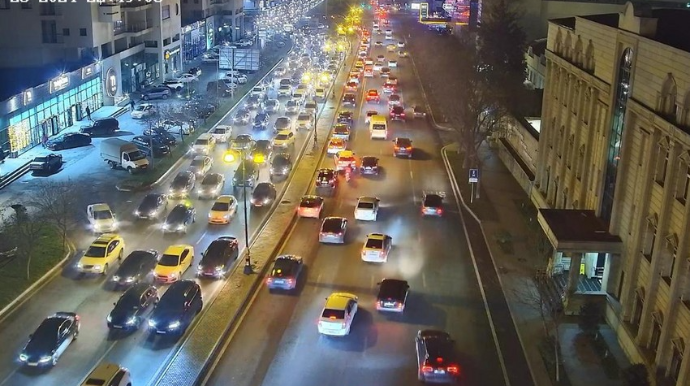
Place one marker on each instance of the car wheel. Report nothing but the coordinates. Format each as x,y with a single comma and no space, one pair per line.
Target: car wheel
145,97
105,270
119,256
165,96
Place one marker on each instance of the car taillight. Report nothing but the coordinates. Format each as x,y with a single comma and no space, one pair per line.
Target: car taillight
399,306
290,281
269,280
439,211
427,369
453,369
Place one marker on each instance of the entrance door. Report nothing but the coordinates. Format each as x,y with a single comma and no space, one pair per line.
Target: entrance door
70,114
54,125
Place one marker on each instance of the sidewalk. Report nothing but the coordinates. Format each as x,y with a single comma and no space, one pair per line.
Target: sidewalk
499,210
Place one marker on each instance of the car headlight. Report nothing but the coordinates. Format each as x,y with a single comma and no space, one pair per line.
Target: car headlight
173,275
220,268
131,321
152,323
200,191
180,227
137,213
166,226
200,267
226,216
129,279
80,265
97,267
174,325
45,358
266,200
116,278
151,213
23,357
171,190
109,318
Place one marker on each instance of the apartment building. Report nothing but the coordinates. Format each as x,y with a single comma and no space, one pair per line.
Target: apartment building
613,176
72,55
207,23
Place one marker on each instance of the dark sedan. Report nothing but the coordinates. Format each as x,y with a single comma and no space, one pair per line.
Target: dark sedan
435,353
280,166
151,145
345,117
152,206
264,194
245,175
253,102
397,113
242,142
162,135
132,307
326,178
211,185
179,219
260,121
136,267
182,185
50,340
285,273
370,165
392,295
242,117
218,257
69,141
263,149
46,163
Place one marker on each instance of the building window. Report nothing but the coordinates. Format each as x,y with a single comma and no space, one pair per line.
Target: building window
683,182
176,37
677,358
4,4
165,12
580,163
656,331
570,151
661,163
82,31
639,305
65,32
166,42
670,254
48,31
649,238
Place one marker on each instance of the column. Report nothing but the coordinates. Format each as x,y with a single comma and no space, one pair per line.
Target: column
684,377
574,273
545,134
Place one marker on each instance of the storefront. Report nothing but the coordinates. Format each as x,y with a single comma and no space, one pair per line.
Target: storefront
138,70
194,43
171,61
46,110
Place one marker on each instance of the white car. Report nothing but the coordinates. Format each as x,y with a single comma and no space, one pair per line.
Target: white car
272,106
393,63
367,208
376,248
101,218
210,57
222,133
401,44
201,165
173,84
187,78
232,73
144,110
338,313
285,90
378,66
241,79
178,127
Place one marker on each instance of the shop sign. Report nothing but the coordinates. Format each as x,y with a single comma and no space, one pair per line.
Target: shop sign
423,11
20,135
87,71
59,83
27,97
111,82
169,53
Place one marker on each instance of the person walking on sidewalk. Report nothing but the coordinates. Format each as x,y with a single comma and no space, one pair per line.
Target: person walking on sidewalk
88,112
44,140
131,104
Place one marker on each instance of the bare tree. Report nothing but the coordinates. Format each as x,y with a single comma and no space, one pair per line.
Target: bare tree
25,231
57,203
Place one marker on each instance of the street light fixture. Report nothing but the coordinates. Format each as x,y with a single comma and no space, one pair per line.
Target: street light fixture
230,157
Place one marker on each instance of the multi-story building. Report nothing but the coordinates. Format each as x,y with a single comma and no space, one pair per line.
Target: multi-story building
76,54
207,23
613,176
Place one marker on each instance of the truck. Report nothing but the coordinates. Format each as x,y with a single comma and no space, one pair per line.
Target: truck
119,153
242,59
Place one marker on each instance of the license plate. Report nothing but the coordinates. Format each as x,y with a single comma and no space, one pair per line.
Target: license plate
439,371
279,281
388,304
161,332
117,326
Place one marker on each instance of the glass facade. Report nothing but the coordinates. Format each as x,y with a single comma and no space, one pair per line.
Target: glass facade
26,128
138,70
616,134
194,40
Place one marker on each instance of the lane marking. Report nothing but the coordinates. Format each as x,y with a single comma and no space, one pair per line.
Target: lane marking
203,235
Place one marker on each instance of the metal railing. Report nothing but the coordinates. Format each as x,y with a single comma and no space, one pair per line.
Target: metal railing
139,26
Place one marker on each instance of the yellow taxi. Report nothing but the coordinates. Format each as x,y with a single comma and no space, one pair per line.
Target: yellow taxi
102,254
222,210
320,93
344,158
376,248
336,145
175,261
284,138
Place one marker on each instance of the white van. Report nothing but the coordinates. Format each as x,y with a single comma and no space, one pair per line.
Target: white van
108,374
378,127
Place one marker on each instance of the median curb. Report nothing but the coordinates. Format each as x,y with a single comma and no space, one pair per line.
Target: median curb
37,285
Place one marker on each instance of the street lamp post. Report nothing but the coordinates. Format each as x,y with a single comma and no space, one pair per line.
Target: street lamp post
229,157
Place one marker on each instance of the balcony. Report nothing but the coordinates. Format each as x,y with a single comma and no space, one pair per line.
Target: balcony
109,13
135,6
140,27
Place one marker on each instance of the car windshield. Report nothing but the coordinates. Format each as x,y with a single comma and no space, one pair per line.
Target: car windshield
219,131
44,339
280,161
220,207
374,244
40,159
95,251
262,189
291,104
197,163
142,107
310,203
102,215
303,117
282,122
211,179
341,129
282,137
169,260
180,181
150,200
333,314
433,200
201,142
398,110
365,205
404,142
129,300
366,161
283,268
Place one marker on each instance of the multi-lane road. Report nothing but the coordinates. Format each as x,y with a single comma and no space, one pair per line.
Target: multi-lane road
277,341
92,297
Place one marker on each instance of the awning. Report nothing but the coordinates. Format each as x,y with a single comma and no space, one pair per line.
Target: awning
581,231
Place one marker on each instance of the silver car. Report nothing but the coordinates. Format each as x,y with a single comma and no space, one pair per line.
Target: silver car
333,230
272,106
201,165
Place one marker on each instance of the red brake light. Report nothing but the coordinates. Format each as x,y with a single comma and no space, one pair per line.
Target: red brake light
439,210
269,280
439,360
427,369
453,369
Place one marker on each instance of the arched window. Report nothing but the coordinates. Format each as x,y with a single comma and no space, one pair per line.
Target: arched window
667,100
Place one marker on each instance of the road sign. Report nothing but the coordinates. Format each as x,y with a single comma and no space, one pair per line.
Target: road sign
474,175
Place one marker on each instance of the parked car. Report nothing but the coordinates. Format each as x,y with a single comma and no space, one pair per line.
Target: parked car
160,92
195,71
162,135
173,84
69,141
105,126
151,146
144,110
46,163
187,78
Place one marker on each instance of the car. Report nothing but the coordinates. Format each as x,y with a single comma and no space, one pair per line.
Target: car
282,123
370,165
161,92
258,91
222,133
393,63
381,58
246,175
369,71
179,218
292,106
272,106
345,117
152,206
284,139
378,43
177,308
161,135
262,151
50,340
333,230
110,374
173,84
397,113
378,66
336,145
349,100
418,112
401,44
310,206
223,209
137,267
132,307
351,86
343,159
369,114
238,78
68,141
402,146
200,165
393,80
242,142
338,313
394,100
391,48
211,185
435,357
260,121
376,248
174,262
305,120
253,102
187,78
177,127
242,117
311,108
403,54
392,295
319,93
367,208
103,253
46,163
210,57
144,110
389,88
244,43
284,273
182,184
101,218
217,259
373,96
264,194
385,72
281,165
341,131
284,90
151,146
432,203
